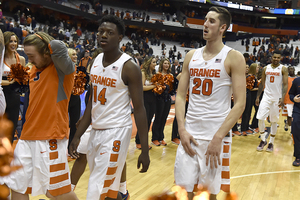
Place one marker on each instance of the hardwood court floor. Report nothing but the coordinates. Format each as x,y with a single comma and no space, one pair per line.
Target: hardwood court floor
254,175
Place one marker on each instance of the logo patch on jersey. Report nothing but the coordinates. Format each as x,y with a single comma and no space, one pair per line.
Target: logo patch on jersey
95,66
115,68
218,60
195,60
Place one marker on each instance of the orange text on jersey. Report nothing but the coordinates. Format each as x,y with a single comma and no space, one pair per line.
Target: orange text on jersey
103,80
205,72
273,73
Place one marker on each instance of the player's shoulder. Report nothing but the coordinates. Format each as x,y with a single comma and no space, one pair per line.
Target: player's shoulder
234,54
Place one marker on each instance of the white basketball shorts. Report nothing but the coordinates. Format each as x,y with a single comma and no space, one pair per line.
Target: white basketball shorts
267,108
45,168
84,141
107,151
191,171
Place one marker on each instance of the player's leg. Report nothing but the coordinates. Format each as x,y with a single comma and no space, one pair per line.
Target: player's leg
19,196
263,112
123,185
274,117
80,163
78,169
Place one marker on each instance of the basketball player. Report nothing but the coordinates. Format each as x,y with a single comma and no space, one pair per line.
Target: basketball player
275,81
288,104
2,98
114,76
211,73
42,148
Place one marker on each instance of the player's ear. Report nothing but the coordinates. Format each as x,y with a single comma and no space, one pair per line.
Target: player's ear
223,28
120,38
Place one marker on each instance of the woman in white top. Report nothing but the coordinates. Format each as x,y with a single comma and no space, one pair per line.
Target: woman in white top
148,70
12,97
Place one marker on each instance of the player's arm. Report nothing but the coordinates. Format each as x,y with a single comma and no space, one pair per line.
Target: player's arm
85,121
60,57
131,75
180,102
261,86
22,61
237,65
284,85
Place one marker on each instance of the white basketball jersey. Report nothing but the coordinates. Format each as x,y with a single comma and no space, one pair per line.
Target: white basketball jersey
210,95
111,100
273,83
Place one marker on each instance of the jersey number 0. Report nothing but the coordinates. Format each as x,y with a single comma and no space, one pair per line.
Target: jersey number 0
101,96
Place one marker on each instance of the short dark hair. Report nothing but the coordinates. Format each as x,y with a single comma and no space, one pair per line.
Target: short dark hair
277,51
246,55
115,20
224,15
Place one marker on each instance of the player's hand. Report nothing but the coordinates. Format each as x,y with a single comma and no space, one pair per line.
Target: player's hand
257,102
186,139
78,122
281,103
73,148
297,98
145,161
213,152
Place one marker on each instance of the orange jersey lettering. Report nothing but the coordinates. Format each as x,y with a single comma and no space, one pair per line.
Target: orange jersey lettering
273,73
205,72
103,80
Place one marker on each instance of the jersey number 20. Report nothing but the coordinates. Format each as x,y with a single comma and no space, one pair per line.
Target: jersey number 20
207,85
101,96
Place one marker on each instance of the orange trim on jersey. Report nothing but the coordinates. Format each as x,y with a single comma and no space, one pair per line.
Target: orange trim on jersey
51,51
111,170
108,183
53,155
60,191
225,188
60,178
114,157
226,148
29,190
225,162
225,175
57,167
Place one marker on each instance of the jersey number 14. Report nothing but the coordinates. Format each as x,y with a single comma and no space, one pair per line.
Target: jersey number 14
101,95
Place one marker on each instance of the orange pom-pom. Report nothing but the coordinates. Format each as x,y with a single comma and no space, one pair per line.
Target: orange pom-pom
79,83
19,73
250,80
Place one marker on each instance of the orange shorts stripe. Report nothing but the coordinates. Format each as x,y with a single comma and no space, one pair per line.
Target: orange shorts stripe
225,188
103,196
59,178
226,148
225,162
112,194
114,157
195,188
111,170
57,167
225,175
53,155
60,191
108,183
29,190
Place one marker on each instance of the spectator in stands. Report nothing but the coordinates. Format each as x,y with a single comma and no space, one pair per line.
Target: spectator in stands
23,19
33,23
247,59
87,7
1,14
174,17
176,68
179,56
18,31
122,14
17,16
84,62
29,20
79,32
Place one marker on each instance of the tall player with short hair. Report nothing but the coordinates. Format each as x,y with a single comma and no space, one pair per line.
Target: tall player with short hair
115,78
211,74
275,81
42,148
